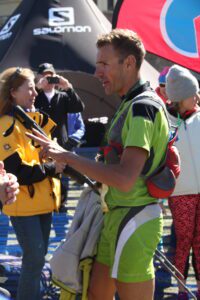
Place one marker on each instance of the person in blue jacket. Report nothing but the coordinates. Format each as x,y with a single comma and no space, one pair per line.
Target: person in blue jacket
76,131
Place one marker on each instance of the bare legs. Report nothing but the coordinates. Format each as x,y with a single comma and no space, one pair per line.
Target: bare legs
102,287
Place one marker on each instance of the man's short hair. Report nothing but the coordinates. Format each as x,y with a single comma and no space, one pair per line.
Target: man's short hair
126,42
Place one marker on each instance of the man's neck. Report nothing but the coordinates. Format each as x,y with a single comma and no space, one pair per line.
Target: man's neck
134,86
130,83
50,94
49,90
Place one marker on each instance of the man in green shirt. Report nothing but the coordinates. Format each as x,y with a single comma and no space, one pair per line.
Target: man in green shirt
137,140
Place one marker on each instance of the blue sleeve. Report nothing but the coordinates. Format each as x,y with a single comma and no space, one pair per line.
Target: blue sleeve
78,130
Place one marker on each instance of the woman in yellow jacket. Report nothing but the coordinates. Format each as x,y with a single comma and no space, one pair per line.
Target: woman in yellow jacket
39,196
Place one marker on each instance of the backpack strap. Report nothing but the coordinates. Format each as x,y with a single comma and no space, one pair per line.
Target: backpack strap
147,98
156,102
145,95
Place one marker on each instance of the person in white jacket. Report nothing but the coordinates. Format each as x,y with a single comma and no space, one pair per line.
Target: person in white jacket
183,91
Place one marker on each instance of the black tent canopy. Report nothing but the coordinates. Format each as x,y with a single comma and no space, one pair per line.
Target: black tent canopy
64,33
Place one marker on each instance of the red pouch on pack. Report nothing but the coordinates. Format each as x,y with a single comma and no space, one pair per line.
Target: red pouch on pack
162,182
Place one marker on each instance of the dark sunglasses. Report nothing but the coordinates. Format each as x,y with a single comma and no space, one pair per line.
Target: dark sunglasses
162,84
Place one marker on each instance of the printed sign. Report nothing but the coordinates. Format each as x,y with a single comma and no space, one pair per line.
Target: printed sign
5,32
61,20
168,28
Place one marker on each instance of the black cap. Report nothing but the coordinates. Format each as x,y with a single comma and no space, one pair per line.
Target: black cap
45,67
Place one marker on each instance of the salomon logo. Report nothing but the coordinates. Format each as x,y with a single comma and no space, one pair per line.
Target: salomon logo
5,31
61,16
61,20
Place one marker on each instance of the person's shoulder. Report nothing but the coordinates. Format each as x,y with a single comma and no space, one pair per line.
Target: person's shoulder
6,117
5,121
195,115
10,128
39,97
146,107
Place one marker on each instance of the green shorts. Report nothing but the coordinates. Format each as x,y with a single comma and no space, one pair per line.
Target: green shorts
128,241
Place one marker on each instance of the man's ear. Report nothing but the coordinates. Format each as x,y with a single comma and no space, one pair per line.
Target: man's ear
130,61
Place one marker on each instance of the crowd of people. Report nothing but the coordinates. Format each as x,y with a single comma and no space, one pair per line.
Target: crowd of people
136,142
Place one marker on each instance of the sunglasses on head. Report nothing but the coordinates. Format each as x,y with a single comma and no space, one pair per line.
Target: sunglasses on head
16,73
162,84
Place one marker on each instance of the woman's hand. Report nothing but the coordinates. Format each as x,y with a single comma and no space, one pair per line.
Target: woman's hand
2,170
50,149
9,187
12,188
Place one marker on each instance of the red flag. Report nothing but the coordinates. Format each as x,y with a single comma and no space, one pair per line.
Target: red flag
168,28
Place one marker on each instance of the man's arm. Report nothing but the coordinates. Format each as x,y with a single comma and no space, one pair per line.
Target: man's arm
121,176
75,104
73,101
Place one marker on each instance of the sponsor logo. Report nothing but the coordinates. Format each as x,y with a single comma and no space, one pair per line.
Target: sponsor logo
61,20
61,17
5,32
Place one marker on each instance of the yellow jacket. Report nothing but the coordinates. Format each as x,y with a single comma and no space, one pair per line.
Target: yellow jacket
39,193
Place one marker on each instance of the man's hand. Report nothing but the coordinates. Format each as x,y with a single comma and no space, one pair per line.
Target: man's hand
50,149
42,83
60,167
64,83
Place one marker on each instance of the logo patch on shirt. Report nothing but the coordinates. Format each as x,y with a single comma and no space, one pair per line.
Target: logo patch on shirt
6,147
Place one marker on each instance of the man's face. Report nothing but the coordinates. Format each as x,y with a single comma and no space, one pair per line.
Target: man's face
189,103
163,90
110,70
46,86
